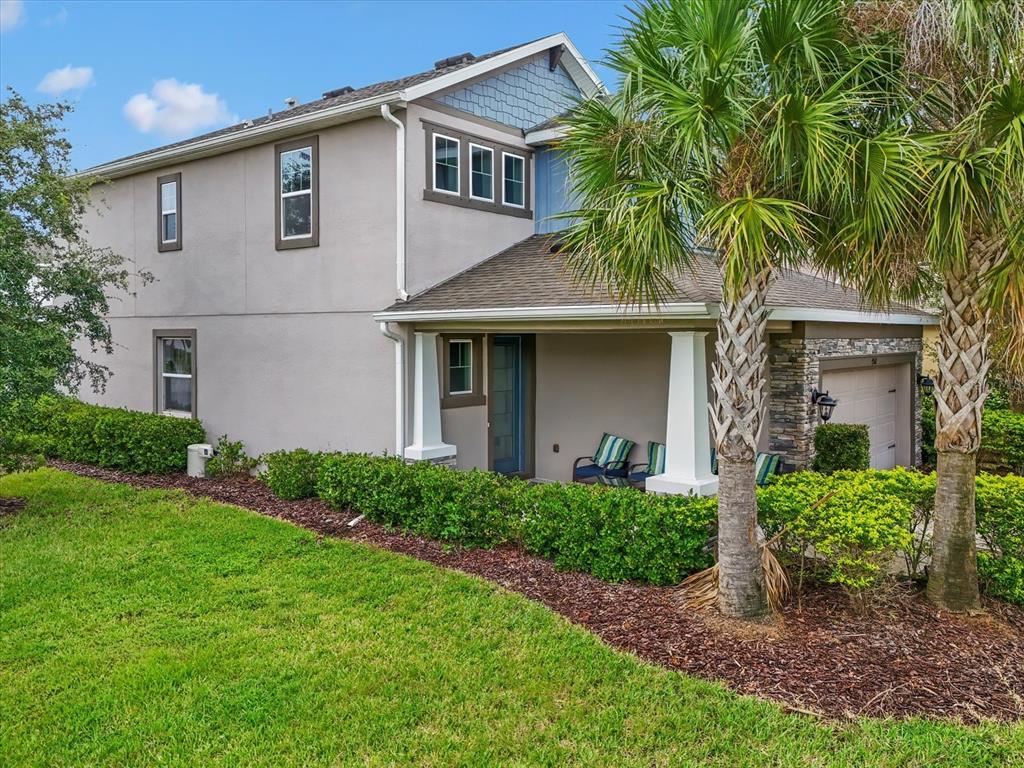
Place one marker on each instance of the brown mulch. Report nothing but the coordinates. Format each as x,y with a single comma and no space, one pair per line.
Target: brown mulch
906,659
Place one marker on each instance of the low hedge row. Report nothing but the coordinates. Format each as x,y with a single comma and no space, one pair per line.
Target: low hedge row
114,437
841,446
613,533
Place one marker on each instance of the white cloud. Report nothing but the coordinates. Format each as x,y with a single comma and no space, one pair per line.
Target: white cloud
10,14
175,109
59,18
65,79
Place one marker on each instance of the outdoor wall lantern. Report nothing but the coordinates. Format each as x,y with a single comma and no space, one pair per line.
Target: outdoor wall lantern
826,404
926,383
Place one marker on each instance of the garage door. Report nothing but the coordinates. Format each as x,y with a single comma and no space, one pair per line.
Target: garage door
868,396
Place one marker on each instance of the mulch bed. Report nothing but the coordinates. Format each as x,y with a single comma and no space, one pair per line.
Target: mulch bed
906,659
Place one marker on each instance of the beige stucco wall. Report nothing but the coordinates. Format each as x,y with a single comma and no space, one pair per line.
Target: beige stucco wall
929,360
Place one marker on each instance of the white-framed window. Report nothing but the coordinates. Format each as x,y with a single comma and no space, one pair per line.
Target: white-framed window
446,164
297,193
514,176
169,212
481,172
175,373
460,366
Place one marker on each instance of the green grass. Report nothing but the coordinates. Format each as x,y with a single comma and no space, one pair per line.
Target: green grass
141,628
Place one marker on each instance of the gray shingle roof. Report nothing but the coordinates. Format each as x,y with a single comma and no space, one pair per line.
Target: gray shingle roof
358,94
530,274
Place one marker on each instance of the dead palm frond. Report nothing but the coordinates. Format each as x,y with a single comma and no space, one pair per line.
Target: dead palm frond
701,588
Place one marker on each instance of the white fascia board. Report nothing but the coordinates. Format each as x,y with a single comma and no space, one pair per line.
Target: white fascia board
851,316
547,136
577,312
584,77
244,138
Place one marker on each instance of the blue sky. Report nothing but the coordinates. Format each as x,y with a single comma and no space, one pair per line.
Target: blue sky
142,74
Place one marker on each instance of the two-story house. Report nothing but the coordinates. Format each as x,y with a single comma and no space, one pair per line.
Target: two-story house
377,271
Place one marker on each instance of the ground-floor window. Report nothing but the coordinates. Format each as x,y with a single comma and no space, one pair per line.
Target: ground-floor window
175,372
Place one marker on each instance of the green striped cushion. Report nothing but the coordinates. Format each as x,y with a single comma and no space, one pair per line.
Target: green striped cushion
655,458
612,451
714,462
766,465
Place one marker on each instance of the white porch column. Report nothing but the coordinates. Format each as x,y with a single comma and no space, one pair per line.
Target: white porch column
688,436
426,417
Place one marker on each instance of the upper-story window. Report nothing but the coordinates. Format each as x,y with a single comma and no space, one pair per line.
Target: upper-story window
473,172
297,187
446,164
515,179
481,172
168,209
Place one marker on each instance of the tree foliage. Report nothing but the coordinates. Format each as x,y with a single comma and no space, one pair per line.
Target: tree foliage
53,285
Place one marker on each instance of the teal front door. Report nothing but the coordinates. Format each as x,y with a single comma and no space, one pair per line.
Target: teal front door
507,422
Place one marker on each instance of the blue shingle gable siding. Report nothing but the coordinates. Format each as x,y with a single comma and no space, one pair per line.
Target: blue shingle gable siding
521,97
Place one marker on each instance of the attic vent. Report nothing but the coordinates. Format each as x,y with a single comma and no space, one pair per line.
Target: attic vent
338,92
451,61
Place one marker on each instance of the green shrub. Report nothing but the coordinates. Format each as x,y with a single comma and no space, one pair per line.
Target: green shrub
841,446
619,533
292,474
613,533
928,432
114,437
999,506
229,458
1002,441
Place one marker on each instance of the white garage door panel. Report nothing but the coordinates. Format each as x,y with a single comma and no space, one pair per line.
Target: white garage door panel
868,396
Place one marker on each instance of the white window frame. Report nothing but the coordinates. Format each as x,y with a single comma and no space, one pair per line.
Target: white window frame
490,150
468,364
165,213
284,195
458,165
504,179
161,392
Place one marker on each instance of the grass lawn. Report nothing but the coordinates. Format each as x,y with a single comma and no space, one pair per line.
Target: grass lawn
141,627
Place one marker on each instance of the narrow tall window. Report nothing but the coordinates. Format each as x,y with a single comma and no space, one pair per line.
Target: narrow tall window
481,172
515,180
297,205
460,367
446,164
168,209
175,385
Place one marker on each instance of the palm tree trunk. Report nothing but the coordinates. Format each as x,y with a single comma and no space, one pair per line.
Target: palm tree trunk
738,379
960,391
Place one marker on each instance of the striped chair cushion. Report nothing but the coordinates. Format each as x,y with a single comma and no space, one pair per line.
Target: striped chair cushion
765,467
612,451
714,462
655,458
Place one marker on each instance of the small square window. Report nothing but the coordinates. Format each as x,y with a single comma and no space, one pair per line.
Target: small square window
446,164
460,367
481,172
515,180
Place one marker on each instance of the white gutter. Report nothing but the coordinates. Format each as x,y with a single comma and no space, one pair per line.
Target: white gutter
546,136
385,112
580,312
692,311
399,387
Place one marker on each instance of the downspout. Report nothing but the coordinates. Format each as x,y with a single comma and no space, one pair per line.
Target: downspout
399,387
385,112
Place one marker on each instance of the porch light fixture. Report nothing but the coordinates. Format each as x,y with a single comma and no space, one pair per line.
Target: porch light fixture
926,383
826,404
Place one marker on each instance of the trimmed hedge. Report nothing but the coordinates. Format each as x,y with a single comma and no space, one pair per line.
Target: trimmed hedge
1000,515
841,446
613,533
114,437
291,474
1002,441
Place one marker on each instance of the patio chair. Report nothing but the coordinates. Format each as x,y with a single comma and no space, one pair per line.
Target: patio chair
655,465
765,465
611,459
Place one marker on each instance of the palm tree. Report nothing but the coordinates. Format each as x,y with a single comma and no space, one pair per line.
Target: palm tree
969,54
751,128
